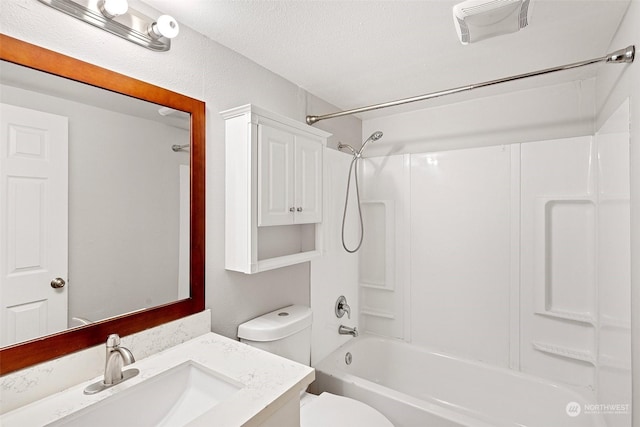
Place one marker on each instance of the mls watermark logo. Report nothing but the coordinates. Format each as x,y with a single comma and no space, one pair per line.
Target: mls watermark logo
573,409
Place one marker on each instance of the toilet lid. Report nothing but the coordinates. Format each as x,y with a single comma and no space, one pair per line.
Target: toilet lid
331,410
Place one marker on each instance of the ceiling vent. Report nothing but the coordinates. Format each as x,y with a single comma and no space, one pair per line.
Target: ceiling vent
477,20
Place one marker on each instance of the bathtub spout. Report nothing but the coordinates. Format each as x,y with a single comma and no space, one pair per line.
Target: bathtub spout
345,330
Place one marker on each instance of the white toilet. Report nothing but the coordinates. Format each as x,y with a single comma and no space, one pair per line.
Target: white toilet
287,333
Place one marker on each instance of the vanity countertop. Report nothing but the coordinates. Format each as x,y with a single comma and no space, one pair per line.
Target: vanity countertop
268,381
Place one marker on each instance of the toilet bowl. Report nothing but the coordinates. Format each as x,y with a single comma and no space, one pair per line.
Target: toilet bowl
287,333
332,410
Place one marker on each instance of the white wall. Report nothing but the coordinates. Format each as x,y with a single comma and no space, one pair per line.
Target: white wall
123,206
203,69
614,86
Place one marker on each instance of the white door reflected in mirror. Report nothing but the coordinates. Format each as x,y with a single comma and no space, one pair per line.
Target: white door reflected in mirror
34,223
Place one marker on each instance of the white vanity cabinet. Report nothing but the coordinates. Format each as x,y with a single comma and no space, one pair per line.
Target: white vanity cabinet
273,190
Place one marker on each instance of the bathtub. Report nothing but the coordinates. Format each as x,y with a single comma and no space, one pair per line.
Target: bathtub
415,387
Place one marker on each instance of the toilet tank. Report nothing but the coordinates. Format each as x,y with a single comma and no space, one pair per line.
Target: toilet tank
285,332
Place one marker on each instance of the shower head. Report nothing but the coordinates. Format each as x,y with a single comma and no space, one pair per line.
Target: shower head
374,137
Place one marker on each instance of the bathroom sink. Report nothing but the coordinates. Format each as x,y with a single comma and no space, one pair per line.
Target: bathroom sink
172,398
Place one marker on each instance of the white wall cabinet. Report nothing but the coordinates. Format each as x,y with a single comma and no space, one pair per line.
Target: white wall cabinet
273,190
290,177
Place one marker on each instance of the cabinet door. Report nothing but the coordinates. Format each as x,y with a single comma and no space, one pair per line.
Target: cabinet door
308,180
275,176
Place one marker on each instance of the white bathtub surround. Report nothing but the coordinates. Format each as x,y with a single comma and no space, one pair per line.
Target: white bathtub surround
449,217
385,258
614,86
414,386
269,384
614,229
519,256
472,253
575,275
28,385
335,273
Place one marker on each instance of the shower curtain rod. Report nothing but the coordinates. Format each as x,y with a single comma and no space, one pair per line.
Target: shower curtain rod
618,57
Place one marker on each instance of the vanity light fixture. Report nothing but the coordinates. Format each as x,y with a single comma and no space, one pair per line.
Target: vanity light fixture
165,26
113,8
116,17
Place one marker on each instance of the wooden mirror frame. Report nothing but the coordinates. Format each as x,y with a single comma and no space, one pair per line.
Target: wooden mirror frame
28,353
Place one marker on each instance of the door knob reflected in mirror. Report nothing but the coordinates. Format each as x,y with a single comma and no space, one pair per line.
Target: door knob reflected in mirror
58,283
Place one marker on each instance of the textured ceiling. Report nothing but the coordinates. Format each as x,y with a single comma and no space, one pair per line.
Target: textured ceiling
355,53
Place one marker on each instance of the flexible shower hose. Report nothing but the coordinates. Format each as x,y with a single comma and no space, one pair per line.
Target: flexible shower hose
346,202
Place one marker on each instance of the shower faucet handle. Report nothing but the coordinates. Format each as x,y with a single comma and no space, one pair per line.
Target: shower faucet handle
342,307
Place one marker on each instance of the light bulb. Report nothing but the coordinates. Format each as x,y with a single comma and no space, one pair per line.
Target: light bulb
113,8
165,26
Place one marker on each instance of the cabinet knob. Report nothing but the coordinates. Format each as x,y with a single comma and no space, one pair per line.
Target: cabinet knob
299,209
292,209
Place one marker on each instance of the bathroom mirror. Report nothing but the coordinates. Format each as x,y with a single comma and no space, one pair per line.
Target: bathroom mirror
114,215
135,206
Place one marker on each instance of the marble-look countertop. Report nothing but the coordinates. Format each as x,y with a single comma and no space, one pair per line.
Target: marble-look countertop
269,381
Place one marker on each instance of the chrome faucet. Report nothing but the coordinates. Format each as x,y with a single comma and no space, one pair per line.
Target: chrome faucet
116,357
345,330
